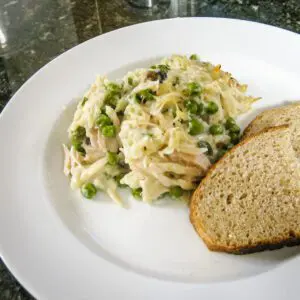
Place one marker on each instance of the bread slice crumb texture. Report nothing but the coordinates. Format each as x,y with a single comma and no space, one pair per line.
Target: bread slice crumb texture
250,199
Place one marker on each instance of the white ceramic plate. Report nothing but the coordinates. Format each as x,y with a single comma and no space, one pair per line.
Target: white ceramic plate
61,246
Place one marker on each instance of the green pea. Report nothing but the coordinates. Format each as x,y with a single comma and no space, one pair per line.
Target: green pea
161,73
114,87
194,57
144,96
200,109
88,190
130,81
221,153
191,106
176,191
162,196
137,193
234,129
76,144
79,134
204,144
229,146
212,108
235,138
194,89
78,147
77,138
111,99
216,129
112,158
103,120
163,68
113,93
229,122
118,180
195,127
109,131
84,101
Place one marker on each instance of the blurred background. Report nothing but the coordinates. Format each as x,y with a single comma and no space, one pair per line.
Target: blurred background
33,32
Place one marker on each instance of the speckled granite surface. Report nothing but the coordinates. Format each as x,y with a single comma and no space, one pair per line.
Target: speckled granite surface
33,32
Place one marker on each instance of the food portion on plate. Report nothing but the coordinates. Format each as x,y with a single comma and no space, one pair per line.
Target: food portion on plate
250,199
157,131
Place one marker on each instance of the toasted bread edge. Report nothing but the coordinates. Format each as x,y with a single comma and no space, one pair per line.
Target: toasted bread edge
260,116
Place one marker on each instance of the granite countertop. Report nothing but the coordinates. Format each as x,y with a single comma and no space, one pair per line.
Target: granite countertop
33,32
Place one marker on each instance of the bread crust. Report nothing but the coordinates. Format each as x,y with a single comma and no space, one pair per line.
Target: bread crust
274,245
248,129
292,240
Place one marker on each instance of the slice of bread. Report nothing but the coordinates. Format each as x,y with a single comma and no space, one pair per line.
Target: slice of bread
288,114
250,199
